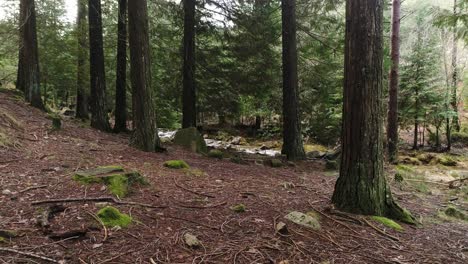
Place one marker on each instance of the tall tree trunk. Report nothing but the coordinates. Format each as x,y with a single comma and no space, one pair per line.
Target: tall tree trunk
189,113
99,118
120,83
454,101
392,119
145,136
292,138
81,77
28,63
361,187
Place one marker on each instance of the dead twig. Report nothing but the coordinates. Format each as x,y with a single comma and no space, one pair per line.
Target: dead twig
28,254
95,199
201,206
33,188
100,222
380,231
191,191
334,220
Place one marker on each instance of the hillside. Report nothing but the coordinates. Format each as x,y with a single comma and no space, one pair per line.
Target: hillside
205,201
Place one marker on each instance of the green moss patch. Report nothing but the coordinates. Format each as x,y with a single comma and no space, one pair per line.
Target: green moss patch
331,165
448,161
388,223
111,217
215,153
117,180
238,208
190,139
176,164
455,213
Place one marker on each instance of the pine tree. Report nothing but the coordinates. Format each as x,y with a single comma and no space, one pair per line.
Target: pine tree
81,78
292,138
361,187
189,112
121,82
145,136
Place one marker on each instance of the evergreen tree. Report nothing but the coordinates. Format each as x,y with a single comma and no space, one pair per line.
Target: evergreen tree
120,83
81,77
189,111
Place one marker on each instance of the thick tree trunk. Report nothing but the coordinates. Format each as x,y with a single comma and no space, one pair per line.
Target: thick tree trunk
120,83
81,78
292,138
145,136
99,118
361,187
454,100
189,113
392,126
28,64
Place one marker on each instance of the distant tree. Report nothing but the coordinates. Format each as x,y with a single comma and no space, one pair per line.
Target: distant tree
81,77
454,98
120,83
361,187
145,136
292,138
189,112
99,118
28,65
392,120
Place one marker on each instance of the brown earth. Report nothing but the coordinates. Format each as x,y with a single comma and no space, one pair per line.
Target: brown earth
47,159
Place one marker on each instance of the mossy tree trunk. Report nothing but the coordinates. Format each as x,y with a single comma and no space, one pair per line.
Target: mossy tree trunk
99,118
454,99
292,138
189,113
392,119
120,83
145,136
28,63
82,77
361,187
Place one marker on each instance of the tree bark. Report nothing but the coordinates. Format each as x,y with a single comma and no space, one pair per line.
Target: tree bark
120,83
454,100
361,187
292,138
81,78
189,113
392,119
28,63
99,118
145,136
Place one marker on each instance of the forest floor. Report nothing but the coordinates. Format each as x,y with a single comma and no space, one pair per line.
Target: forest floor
37,164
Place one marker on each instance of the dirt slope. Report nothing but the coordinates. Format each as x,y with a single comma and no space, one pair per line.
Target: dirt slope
46,159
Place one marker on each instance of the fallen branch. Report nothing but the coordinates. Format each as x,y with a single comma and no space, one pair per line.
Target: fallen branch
334,220
28,254
200,206
95,199
380,231
191,191
33,188
101,223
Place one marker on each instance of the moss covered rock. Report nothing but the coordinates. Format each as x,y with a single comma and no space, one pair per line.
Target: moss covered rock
191,139
112,217
303,220
331,165
176,164
117,180
448,161
215,153
275,163
238,208
388,223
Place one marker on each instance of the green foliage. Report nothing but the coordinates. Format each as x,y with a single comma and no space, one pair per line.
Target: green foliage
112,217
455,213
388,223
176,164
448,161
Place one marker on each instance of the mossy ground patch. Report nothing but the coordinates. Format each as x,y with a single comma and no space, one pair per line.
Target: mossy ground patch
111,217
388,223
176,164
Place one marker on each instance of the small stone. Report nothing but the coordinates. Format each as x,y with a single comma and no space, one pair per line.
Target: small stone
281,228
191,241
7,192
303,220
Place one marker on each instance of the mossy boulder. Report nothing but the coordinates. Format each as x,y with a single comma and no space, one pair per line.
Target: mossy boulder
410,161
112,217
176,164
425,158
116,178
216,153
448,161
191,139
388,223
275,163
